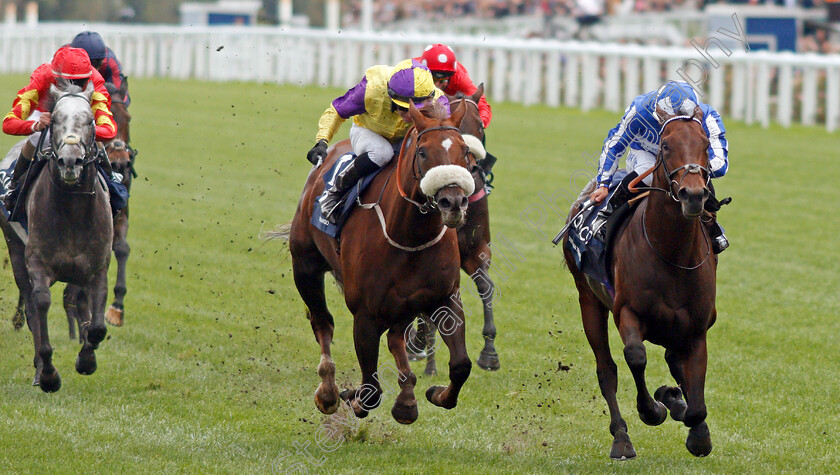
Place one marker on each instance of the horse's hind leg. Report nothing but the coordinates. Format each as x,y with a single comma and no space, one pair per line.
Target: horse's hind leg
20,313
672,396
116,312
405,407
651,412
595,326
368,396
309,279
71,309
430,329
477,267
450,321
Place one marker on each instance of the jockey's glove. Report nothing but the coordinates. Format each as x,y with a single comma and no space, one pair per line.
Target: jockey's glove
318,152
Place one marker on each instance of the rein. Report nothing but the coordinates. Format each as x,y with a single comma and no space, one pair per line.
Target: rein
424,208
650,244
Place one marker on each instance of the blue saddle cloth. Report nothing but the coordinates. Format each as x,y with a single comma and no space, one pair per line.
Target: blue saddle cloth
349,198
589,252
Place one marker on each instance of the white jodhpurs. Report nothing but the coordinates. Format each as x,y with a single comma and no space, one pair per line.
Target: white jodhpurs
640,161
378,148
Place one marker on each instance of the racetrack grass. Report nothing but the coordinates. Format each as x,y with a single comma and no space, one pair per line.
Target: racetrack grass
215,368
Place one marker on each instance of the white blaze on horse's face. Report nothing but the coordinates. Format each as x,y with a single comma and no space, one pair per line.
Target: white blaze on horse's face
446,144
73,131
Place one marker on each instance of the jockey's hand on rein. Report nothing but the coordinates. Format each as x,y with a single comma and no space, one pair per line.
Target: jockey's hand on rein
599,194
318,152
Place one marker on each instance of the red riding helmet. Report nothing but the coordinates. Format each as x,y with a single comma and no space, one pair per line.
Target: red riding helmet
71,63
439,59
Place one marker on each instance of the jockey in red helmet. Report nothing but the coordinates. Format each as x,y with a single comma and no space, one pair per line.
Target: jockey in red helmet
30,114
452,77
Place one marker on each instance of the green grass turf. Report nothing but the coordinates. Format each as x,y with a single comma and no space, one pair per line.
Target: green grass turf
215,368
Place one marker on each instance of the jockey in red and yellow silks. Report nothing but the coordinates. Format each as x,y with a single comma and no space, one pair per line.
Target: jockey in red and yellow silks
68,63
379,107
30,114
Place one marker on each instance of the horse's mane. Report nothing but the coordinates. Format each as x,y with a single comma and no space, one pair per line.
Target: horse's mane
434,110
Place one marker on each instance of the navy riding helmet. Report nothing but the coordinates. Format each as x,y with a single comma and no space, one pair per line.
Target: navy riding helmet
91,42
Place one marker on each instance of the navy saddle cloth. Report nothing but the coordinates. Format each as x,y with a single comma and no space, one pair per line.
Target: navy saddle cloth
589,252
348,200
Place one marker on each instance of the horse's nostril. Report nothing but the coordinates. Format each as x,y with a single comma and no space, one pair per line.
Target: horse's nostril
79,162
444,203
464,202
682,194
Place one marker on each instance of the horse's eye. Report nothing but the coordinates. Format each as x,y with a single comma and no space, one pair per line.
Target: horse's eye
665,147
422,153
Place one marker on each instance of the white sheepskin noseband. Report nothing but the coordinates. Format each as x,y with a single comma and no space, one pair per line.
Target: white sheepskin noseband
475,146
446,175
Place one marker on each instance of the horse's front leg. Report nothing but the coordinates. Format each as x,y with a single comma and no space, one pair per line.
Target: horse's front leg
699,441
477,266
46,376
20,312
72,294
651,412
405,406
368,396
116,312
449,319
92,310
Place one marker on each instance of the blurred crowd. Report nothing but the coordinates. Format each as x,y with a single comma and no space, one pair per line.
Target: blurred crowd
585,12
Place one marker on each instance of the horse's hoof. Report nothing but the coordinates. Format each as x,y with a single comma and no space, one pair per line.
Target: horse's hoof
50,382
622,448
96,334
699,440
433,394
86,362
659,415
488,360
672,397
349,395
326,400
114,316
430,371
404,414
17,321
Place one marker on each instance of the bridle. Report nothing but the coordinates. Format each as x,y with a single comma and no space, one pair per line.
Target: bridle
417,172
56,144
480,191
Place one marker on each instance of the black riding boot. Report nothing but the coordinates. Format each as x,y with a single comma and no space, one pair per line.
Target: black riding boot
360,167
487,163
21,166
719,241
621,195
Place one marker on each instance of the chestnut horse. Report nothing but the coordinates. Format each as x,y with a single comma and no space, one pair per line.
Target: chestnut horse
397,258
473,243
121,156
664,277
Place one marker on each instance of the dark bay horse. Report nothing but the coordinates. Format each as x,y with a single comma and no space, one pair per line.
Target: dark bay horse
396,259
70,233
121,156
473,241
664,276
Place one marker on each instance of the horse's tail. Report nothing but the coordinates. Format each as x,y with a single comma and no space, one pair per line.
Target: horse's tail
283,232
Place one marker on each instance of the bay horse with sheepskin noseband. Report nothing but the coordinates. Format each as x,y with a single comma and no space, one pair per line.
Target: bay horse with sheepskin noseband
664,275
70,233
398,257
473,242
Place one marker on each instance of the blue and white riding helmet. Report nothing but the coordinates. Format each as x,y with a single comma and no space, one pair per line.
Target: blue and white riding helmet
675,98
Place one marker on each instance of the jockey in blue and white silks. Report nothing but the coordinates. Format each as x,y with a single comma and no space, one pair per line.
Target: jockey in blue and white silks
639,130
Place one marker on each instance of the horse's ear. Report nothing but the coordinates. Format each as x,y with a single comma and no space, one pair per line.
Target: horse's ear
88,92
458,114
479,91
416,116
124,86
663,116
54,91
697,114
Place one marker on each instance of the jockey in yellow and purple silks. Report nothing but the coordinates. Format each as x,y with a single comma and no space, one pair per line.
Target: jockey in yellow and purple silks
379,107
